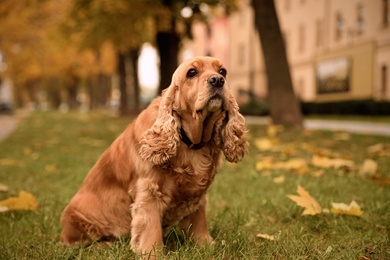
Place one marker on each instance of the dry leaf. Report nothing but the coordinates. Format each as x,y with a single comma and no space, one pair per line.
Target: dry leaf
381,179
318,173
52,167
306,201
352,209
10,162
342,136
379,149
264,144
272,130
3,187
25,201
296,164
369,167
266,163
266,236
325,162
279,179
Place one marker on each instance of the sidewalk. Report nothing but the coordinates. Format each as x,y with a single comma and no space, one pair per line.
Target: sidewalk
334,125
8,123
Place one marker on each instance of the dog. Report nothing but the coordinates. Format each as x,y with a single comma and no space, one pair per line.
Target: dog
156,174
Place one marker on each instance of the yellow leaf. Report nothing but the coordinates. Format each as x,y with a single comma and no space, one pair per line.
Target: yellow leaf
264,144
318,173
379,150
343,136
51,167
296,164
272,130
3,187
352,209
10,162
325,162
25,201
266,236
279,179
306,201
265,164
369,167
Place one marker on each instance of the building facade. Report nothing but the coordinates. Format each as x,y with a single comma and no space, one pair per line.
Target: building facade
337,50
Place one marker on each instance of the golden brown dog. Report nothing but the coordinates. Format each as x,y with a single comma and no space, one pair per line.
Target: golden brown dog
157,172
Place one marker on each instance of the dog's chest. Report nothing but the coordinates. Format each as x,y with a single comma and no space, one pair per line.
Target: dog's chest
191,182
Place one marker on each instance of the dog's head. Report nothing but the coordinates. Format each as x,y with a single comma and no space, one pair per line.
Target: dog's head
198,106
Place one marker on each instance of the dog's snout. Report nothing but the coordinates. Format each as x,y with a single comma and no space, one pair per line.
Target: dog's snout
216,81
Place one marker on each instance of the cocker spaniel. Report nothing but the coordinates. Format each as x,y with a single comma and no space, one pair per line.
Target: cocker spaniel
157,172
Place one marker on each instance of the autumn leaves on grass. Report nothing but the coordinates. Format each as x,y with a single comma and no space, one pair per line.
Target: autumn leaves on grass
312,207
305,158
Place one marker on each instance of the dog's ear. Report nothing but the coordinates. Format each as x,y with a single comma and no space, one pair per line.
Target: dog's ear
233,142
160,143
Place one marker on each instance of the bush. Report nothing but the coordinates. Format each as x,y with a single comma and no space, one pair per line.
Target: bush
256,106
355,107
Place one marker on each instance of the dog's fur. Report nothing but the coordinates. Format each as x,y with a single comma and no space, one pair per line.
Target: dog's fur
149,179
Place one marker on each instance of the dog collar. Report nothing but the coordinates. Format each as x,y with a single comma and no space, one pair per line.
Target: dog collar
184,138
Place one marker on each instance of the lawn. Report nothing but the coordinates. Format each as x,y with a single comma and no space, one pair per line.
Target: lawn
50,154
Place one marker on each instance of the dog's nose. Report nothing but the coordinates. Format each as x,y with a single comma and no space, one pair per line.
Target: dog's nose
216,81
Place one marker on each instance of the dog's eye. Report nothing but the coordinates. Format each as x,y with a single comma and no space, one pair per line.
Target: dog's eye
222,72
192,73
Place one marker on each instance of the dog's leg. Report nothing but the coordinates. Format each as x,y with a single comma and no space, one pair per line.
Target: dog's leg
196,225
146,227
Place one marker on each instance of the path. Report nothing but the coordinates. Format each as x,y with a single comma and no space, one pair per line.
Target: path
334,125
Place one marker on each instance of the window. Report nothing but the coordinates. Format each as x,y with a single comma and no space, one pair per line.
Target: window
360,19
385,14
339,26
383,90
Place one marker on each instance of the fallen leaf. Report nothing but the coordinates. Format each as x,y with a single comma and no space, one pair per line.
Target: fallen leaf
381,179
379,149
10,162
318,173
353,209
326,162
266,163
25,201
52,167
3,187
369,167
264,144
296,164
272,130
266,236
306,201
342,136
279,179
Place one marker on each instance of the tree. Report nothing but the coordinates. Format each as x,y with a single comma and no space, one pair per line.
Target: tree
168,37
124,23
284,106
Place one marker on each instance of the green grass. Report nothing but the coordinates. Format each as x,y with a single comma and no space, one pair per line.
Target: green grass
54,152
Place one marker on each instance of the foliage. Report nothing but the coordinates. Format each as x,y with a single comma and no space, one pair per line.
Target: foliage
50,154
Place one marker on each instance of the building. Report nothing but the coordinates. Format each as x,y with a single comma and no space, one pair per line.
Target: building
337,50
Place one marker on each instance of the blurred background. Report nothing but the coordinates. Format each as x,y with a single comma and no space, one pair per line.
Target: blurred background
94,54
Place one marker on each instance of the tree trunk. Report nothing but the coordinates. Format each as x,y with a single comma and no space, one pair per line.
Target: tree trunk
134,54
123,108
284,106
168,49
